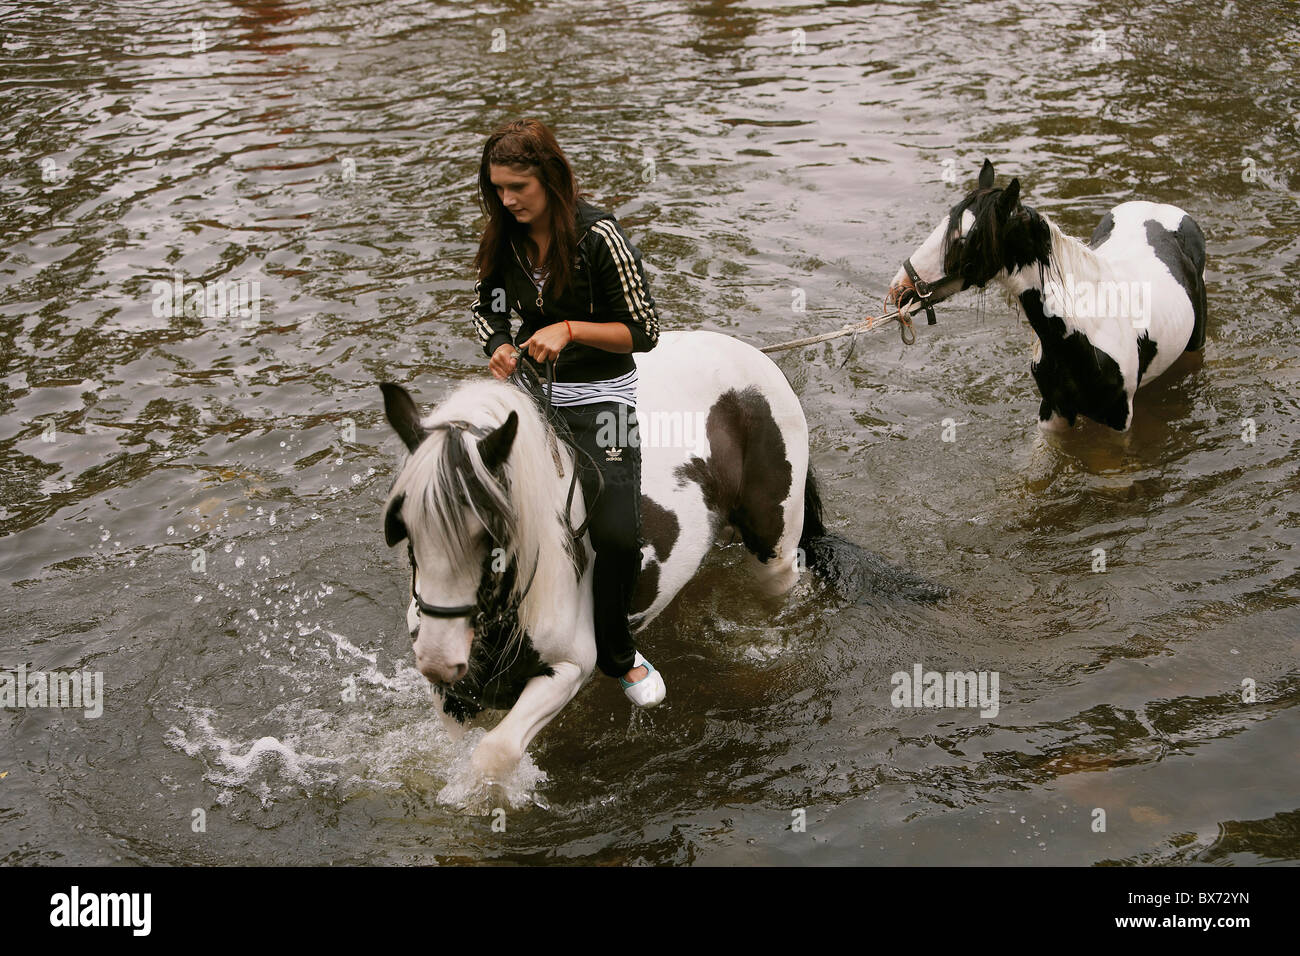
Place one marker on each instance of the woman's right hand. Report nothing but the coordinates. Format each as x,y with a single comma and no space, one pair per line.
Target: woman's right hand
504,360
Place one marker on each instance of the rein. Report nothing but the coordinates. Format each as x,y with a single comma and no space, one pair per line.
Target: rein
540,388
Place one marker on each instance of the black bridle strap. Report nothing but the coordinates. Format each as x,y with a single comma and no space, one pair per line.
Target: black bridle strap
923,290
459,610
437,610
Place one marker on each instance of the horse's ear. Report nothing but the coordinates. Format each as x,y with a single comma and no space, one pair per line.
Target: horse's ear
1007,201
402,414
494,448
986,175
394,526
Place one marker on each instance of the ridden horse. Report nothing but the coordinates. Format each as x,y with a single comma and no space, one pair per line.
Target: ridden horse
1109,316
501,610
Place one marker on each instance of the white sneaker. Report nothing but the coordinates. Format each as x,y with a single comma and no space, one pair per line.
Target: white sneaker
649,690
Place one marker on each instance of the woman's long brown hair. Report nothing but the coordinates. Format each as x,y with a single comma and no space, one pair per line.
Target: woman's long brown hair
528,143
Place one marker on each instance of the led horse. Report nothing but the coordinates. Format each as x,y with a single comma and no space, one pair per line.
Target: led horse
1109,316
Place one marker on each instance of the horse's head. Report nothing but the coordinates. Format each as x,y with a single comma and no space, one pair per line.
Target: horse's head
451,504
985,235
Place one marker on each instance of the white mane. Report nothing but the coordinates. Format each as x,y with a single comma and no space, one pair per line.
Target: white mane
529,497
1069,257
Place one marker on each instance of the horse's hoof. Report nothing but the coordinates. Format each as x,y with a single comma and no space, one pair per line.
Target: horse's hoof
491,764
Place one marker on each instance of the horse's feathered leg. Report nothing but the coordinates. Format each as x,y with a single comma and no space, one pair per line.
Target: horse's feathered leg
500,751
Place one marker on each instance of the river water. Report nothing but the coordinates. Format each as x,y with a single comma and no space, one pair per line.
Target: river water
265,708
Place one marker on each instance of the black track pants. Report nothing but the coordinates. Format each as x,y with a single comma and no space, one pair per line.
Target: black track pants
607,432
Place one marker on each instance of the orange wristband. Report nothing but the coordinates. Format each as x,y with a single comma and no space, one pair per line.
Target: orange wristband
570,328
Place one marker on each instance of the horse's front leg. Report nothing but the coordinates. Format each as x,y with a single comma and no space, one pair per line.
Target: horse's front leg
542,698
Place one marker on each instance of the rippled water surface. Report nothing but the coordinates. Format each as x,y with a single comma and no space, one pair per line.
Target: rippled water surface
328,150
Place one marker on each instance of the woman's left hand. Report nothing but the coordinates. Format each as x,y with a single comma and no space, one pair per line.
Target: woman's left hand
545,344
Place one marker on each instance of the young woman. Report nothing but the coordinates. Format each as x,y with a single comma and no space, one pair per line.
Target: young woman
576,282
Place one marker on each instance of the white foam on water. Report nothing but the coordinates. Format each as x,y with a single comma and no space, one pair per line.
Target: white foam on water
466,791
343,646
253,766
293,765
391,738
369,724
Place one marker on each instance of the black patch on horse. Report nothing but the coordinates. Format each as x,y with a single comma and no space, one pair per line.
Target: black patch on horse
1183,253
1103,231
747,476
1146,352
645,592
394,526
499,667
1074,376
659,527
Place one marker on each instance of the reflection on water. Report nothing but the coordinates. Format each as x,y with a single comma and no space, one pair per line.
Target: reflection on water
190,504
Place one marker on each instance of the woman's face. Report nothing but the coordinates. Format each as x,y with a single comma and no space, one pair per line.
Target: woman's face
521,192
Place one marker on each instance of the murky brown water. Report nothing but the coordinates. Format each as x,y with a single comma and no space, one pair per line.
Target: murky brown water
328,151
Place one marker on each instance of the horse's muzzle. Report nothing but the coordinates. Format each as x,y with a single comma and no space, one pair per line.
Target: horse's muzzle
444,675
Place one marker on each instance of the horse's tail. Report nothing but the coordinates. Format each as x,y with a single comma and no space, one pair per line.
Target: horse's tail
1193,243
852,570
813,525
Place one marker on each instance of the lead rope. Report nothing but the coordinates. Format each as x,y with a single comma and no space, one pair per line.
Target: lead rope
869,324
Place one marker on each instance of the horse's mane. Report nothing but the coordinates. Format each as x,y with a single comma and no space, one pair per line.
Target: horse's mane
523,505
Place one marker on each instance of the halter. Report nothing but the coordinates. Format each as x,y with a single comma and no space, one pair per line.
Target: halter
924,289
438,610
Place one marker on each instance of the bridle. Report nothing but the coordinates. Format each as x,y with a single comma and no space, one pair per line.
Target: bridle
440,610
925,290
454,427
456,610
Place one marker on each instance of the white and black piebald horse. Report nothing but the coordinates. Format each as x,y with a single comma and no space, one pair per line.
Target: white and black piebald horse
501,609
1109,316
